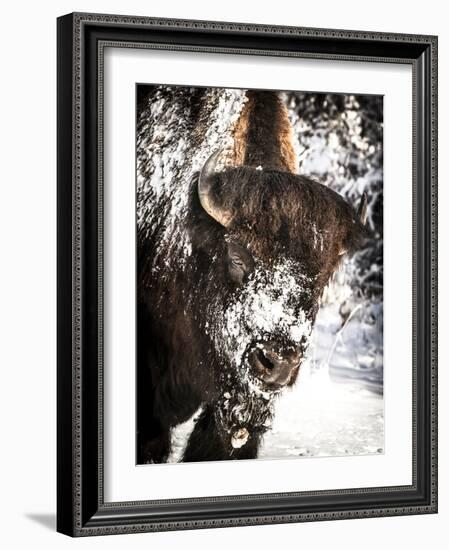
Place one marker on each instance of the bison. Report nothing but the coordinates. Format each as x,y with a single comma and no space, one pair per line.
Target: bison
234,251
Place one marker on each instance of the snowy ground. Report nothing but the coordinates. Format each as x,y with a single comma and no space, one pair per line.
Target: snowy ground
336,405
322,417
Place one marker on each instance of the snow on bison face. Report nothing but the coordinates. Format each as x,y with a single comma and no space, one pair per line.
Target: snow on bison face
266,321
282,236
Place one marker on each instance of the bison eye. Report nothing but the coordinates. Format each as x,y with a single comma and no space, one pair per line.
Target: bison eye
236,271
239,262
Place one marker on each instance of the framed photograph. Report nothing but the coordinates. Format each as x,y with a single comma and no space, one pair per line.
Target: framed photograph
247,247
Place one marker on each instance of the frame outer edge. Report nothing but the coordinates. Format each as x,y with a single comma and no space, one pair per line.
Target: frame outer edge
78,85
65,270
434,271
232,26
69,508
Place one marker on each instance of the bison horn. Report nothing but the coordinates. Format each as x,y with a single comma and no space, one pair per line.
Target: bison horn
362,212
206,194
363,208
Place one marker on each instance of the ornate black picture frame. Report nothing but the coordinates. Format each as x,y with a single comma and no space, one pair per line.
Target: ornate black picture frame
81,509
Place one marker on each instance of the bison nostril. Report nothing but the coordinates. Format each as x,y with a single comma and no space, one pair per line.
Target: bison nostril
269,365
274,369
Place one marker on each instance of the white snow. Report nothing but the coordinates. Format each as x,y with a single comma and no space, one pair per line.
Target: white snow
321,417
264,305
179,437
165,157
336,405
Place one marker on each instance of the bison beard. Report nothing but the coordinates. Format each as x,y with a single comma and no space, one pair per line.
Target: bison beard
232,262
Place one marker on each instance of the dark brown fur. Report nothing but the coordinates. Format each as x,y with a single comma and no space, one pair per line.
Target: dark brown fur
276,212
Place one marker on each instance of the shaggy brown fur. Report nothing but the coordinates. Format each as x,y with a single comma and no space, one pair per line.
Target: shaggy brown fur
264,141
276,213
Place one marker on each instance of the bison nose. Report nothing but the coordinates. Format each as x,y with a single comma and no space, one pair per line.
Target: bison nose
275,367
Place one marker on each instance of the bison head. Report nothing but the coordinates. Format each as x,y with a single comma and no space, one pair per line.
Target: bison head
267,243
